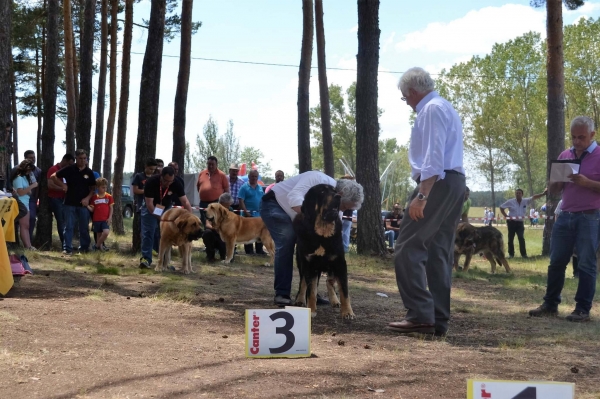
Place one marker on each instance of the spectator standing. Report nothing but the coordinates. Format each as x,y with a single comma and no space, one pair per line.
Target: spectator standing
491,217
175,167
160,164
24,186
464,216
576,226
139,181
33,198
235,183
279,177
392,224
57,195
531,215
250,196
281,205
158,198
346,218
211,184
79,188
101,206
425,245
517,209
212,238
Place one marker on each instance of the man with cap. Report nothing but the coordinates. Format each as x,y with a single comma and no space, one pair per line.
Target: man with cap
235,183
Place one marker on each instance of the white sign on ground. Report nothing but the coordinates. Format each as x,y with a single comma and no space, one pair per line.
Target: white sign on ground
278,332
496,389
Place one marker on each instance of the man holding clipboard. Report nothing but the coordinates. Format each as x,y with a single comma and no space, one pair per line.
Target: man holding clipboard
577,224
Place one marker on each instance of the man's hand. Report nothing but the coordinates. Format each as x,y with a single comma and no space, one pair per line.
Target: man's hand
415,210
579,179
85,201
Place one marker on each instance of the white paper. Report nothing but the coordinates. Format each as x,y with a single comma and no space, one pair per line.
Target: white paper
560,171
158,211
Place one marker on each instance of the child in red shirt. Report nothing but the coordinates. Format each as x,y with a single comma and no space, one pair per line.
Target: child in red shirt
101,204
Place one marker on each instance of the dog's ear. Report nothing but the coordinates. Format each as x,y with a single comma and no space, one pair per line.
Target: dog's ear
181,224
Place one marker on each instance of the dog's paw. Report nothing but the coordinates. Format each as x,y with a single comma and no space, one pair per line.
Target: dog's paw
226,262
348,315
158,269
300,304
335,303
267,264
313,314
192,270
186,271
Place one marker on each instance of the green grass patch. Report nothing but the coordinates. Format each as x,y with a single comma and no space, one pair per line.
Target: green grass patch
114,271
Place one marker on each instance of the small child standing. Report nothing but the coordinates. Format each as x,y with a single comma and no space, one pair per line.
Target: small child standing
101,205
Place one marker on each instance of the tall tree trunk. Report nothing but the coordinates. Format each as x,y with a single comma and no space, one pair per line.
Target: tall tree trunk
370,231
122,123
99,135
150,93
304,160
556,105
69,77
43,238
76,68
324,92
43,79
84,108
183,80
5,73
112,111
15,116
38,99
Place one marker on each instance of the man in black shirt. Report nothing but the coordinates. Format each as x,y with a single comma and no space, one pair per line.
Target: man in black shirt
158,198
138,182
78,190
392,224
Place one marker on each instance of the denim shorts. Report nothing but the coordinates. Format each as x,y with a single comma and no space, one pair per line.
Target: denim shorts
98,227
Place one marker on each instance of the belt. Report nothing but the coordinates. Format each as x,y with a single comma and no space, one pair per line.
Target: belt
447,171
587,212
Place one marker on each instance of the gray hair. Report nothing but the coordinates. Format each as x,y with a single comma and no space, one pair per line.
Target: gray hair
351,192
583,121
226,198
417,79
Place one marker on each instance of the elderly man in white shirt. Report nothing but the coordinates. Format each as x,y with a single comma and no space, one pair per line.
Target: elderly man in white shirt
425,245
278,209
517,208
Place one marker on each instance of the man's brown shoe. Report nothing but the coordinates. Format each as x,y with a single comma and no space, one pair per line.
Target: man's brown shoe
407,326
543,311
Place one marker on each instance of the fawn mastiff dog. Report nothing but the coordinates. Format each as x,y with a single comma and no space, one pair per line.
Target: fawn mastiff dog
235,229
178,227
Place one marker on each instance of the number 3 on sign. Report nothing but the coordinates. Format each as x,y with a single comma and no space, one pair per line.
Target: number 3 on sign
277,332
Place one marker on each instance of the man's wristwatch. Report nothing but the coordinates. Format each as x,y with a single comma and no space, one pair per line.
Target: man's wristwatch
421,197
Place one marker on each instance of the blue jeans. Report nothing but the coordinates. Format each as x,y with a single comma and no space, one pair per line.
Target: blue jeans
280,226
392,236
57,208
83,216
573,230
32,216
346,227
150,233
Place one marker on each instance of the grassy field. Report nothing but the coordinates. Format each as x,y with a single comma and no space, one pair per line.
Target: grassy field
96,326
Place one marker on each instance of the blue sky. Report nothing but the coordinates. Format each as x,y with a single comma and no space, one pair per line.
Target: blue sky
261,100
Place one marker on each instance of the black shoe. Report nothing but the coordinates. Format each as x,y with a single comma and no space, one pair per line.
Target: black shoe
144,263
543,310
578,316
524,256
282,300
321,300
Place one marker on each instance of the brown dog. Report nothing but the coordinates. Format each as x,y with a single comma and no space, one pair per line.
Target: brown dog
235,229
178,227
470,239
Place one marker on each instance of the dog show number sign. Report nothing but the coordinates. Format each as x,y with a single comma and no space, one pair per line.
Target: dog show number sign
490,389
278,332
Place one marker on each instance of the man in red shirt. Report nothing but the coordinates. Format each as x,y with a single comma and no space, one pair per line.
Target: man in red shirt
57,195
211,184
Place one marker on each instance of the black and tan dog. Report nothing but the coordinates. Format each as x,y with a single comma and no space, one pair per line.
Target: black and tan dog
235,229
470,239
178,227
319,249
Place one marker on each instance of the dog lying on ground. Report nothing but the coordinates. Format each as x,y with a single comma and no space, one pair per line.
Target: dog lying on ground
320,249
470,239
178,227
235,229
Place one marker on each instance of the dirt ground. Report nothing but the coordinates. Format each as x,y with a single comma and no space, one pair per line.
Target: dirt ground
96,327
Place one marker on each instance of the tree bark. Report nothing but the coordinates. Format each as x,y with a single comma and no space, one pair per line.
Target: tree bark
43,84
15,116
112,111
5,92
122,123
84,108
304,159
76,69
324,92
69,77
38,99
556,105
183,80
100,102
370,230
150,94
43,237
